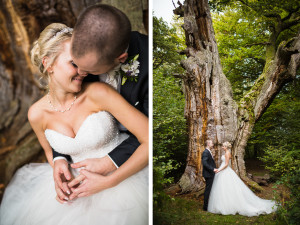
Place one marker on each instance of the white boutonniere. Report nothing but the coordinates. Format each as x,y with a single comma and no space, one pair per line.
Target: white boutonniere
130,70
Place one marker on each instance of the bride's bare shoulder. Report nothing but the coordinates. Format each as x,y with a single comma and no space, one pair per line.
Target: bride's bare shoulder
228,154
98,89
36,111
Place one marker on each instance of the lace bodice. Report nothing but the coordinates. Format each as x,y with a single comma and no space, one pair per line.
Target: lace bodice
97,136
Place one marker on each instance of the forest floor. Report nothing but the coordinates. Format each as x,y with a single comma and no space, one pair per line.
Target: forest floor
187,208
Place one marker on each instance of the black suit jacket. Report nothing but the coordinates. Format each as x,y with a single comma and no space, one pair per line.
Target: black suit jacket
136,93
208,164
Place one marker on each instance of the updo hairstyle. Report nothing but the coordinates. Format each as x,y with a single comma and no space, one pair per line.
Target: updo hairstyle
49,45
227,145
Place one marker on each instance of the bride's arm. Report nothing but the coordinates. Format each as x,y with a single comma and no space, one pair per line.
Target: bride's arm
35,118
227,158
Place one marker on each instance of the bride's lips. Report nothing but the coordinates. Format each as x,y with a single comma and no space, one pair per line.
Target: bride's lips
78,79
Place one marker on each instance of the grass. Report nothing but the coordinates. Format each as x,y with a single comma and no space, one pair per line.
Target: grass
187,211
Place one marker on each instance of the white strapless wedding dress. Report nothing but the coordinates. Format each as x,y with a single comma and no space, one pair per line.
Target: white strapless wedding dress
229,195
30,197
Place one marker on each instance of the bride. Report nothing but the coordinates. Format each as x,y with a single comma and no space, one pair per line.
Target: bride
229,195
83,127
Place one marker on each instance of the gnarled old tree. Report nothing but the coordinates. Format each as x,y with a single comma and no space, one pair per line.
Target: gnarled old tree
210,110
20,24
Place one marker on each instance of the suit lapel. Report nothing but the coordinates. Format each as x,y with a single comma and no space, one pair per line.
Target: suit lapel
209,153
127,88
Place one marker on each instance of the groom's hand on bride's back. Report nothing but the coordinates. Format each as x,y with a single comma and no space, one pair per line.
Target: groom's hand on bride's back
101,166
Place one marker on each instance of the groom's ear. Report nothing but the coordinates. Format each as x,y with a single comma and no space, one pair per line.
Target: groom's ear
122,58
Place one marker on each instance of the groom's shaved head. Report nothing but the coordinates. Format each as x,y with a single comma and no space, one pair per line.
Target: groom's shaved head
103,29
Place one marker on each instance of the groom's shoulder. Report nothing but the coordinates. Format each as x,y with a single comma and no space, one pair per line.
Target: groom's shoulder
205,151
137,35
138,43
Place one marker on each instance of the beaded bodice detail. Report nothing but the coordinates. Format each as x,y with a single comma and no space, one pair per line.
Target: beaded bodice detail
97,136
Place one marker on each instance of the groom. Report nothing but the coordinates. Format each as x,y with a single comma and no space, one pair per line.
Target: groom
102,40
209,170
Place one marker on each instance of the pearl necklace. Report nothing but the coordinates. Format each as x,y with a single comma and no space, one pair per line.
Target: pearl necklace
57,110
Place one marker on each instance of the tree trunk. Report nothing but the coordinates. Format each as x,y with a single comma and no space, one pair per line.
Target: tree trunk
20,24
210,110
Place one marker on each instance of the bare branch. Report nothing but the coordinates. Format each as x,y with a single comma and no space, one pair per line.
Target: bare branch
178,75
157,63
174,4
179,10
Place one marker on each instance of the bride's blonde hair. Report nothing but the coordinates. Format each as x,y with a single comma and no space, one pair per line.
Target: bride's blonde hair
227,145
49,45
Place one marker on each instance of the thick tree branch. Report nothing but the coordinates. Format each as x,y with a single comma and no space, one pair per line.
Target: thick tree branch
278,72
273,15
290,23
291,12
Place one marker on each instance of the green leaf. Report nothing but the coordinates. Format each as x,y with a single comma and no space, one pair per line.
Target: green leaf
124,80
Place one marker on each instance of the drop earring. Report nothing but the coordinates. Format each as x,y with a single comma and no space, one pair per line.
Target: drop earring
51,71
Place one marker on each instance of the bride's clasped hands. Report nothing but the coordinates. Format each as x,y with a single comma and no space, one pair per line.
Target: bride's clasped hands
93,178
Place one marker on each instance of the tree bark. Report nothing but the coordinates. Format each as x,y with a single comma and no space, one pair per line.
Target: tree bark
210,110
20,24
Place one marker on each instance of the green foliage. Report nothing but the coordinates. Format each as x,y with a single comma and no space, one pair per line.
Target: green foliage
281,160
280,124
289,210
169,126
283,164
241,47
166,42
293,206
266,8
248,33
169,130
161,169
